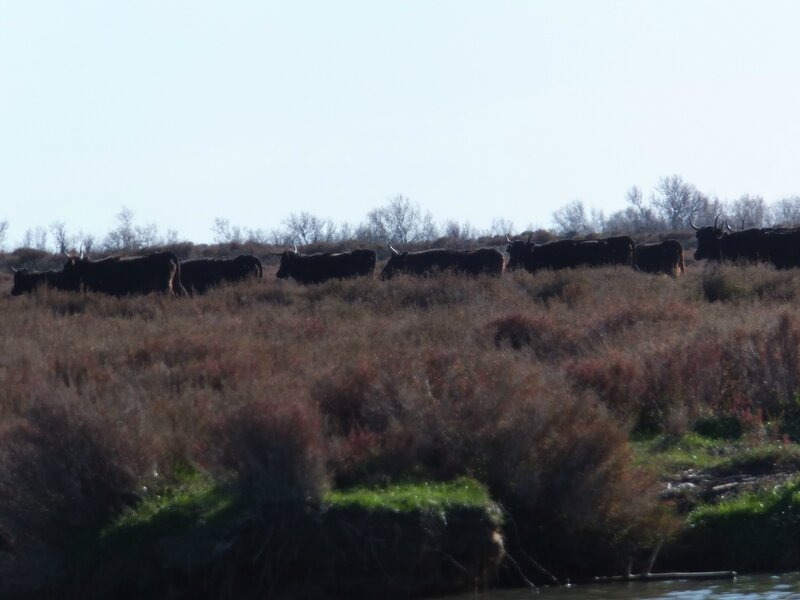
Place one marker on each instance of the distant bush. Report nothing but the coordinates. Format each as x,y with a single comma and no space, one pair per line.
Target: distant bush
723,284
543,336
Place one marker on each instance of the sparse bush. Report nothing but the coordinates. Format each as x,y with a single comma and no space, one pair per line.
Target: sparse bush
276,450
567,287
543,336
767,370
618,380
723,284
64,469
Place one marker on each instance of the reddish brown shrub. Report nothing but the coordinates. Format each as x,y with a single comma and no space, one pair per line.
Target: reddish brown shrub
356,397
641,316
617,379
276,449
764,375
543,336
63,470
544,451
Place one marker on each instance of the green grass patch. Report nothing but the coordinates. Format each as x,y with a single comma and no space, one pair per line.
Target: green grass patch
195,501
667,454
670,454
436,496
757,460
751,532
749,506
173,510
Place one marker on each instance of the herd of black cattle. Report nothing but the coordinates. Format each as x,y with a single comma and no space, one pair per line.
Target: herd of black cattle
164,272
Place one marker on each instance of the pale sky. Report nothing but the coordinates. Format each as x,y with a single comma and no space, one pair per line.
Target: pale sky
185,111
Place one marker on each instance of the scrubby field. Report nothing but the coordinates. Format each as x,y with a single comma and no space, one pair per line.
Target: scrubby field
530,385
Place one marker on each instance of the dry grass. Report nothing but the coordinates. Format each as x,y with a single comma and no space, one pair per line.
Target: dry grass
529,384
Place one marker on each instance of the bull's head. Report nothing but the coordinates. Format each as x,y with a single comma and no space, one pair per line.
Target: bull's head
285,269
396,263
22,283
518,252
709,240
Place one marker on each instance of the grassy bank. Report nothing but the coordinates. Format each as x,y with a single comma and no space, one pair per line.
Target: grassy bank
191,539
283,395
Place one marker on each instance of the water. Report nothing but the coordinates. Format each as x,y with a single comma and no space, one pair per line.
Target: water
746,587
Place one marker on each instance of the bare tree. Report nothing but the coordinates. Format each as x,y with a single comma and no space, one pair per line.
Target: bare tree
676,201
635,198
623,221
146,236
597,219
399,221
170,237
570,220
346,232
638,217
225,233
257,236
708,209
3,233
35,238
501,226
458,231
123,237
642,215
305,228
786,212
60,237
278,237
40,238
85,241
128,237
747,211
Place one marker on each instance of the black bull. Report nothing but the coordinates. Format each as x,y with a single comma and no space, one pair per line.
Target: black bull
317,268
566,254
122,276
200,274
486,261
663,257
26,282
780,247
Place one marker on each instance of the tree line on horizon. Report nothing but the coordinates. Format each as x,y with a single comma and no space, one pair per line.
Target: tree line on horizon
672,205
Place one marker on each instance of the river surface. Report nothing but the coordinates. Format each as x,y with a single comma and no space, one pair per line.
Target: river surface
745,587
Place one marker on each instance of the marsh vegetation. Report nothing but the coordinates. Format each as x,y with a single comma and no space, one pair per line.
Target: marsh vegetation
566,396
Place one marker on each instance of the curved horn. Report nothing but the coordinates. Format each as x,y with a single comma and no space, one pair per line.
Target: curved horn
14,269
715,221
392,249
695,227
295,248
508,240
728,227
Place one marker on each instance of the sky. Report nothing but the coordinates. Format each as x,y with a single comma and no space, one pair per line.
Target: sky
186,111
